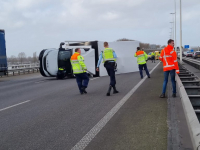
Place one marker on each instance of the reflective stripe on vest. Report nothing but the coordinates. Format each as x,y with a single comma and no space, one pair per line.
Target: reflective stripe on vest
142,55
142,61
74,65
167,56
167,65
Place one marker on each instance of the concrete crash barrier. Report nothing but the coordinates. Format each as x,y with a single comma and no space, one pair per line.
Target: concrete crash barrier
191,117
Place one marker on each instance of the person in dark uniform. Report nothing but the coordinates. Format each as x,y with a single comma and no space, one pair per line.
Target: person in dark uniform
109,59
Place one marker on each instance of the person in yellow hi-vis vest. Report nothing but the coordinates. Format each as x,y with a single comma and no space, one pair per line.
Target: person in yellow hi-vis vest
141,60
109,59
79,70
153,57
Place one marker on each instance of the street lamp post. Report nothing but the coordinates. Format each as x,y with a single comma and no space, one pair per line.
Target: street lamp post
180,34
175,27
171,35
172,30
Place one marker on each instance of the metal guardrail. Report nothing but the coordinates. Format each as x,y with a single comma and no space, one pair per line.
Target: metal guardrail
189,105
192,62
22,71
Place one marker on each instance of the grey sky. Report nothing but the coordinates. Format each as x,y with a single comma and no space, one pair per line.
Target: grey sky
33,25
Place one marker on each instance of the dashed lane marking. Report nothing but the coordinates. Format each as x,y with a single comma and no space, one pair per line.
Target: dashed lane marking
39,82
94,78
15,105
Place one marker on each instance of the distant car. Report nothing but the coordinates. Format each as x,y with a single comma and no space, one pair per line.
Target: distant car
178,54
196,54
188,54
149,56
185,53
157,55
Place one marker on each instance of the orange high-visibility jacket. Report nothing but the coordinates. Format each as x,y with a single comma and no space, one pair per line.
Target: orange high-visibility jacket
169,58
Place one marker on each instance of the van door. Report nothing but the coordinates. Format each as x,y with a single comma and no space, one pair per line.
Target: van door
89,57
64,60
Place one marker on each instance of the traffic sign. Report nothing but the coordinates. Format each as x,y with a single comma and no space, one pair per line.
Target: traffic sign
192,50
187,46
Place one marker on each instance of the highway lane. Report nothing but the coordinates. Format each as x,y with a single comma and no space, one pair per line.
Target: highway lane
57,116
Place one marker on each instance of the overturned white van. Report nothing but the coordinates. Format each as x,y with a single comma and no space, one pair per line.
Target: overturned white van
52,59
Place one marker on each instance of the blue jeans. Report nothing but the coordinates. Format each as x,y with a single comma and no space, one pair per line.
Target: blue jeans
82,80
141,69
172,74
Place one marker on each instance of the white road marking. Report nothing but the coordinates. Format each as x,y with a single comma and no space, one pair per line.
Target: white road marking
15,105
94,78
97,128
39,82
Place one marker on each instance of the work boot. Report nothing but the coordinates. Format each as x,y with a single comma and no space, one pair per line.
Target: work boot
109,89
115,90
174,95
162,95
83,89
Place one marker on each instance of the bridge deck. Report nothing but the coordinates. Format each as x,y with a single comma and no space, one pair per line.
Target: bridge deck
57,117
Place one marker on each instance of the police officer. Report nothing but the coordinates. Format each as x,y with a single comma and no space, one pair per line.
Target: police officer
109,59
79,70
141,60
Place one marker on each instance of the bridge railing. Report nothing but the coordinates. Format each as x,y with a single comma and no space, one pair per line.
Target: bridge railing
193,62
22,71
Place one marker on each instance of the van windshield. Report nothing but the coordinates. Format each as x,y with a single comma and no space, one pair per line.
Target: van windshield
64,55
198,53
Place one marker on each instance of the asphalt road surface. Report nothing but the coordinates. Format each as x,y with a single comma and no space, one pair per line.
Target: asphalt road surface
48,114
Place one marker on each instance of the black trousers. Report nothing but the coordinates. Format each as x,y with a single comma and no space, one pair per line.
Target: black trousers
153,58
110,67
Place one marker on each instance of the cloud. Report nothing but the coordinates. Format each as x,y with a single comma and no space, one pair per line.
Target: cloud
33,25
